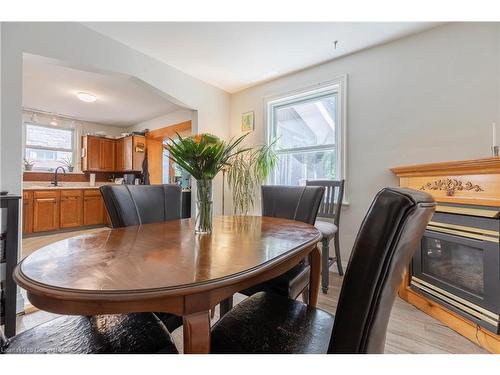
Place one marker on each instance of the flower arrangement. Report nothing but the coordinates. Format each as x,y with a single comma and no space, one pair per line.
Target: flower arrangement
203,156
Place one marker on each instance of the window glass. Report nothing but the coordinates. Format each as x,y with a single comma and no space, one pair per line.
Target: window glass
307,131
49,147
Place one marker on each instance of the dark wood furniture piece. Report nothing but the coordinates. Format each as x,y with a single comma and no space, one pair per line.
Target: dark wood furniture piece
129,205
166,267
113,155
11,249
330,208
299,203
389,234
466,222
50,209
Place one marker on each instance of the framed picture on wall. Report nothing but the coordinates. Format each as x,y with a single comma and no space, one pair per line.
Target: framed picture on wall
247,121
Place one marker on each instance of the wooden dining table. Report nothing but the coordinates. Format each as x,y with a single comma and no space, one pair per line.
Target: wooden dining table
166,267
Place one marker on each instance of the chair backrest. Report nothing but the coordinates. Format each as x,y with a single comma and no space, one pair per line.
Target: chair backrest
141,204
299,203
388,237
332,199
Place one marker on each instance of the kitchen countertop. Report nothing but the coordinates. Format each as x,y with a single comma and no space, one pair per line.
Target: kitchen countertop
62,187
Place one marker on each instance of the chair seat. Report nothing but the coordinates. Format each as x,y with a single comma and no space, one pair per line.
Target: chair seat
272,324
290,284
327,229
125,333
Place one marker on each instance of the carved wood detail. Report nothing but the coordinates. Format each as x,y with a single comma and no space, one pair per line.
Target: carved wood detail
450,185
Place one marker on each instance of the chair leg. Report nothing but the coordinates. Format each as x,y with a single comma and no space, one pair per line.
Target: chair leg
325,255
225,306
305,295
337,254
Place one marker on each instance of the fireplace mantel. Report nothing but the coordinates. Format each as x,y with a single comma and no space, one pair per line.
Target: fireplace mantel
464,185
474,182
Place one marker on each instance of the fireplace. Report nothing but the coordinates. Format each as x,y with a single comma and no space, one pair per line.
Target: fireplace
457,263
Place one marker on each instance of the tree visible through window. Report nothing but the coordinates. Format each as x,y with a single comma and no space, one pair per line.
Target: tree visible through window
48,146
307,129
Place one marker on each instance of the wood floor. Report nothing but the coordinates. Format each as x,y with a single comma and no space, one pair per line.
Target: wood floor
410,331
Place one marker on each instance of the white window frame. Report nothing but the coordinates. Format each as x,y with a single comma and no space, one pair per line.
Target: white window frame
74,143
338,86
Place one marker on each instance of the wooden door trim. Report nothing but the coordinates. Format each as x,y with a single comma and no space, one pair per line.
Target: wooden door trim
170,131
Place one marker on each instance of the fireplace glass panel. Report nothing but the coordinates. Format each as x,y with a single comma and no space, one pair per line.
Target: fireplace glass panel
454,263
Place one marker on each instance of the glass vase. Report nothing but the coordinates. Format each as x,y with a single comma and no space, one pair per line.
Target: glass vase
204,206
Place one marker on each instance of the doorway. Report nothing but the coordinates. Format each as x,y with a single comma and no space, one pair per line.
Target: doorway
161,169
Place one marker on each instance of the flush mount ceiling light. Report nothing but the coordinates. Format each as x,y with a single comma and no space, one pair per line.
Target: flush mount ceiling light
86,97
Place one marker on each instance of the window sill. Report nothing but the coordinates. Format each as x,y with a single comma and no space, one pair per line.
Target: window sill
48,172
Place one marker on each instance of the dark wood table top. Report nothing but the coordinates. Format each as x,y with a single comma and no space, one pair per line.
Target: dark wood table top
165,256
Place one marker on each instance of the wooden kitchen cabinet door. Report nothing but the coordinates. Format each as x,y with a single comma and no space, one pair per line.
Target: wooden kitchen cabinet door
71,208
107,155
119,165
45,211
27,212
93,153
93,207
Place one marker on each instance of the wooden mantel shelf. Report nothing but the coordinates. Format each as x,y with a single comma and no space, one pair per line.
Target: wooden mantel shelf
475,182
451,168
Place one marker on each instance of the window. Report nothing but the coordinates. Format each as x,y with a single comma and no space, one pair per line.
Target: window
308,127
47,146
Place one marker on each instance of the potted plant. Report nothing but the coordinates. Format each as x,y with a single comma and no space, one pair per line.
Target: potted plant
247,172
28,164
203,156
68,163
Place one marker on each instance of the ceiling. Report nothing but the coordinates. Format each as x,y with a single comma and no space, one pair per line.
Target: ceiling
234,56
121,100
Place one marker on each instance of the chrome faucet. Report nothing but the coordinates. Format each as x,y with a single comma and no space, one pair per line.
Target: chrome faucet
55,175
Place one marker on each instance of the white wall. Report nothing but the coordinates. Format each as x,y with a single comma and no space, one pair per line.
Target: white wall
168,119
77,45
428,97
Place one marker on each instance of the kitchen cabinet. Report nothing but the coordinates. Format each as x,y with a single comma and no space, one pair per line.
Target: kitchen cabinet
45,210
71,208
119,159
93,207
27,212
91,158
52,209
107,156
113,155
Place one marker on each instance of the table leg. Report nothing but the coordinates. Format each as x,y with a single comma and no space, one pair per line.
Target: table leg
315,262
196,328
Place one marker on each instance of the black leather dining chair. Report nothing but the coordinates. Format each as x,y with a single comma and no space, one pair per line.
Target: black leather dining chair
299,203
129,205
330,208
140,333
388,237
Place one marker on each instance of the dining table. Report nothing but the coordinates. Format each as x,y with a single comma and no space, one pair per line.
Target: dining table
167,267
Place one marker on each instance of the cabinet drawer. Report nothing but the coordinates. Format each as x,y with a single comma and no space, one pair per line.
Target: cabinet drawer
46,194
92,193
71,194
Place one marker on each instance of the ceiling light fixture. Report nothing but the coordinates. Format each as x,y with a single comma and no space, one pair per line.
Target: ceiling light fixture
86,97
